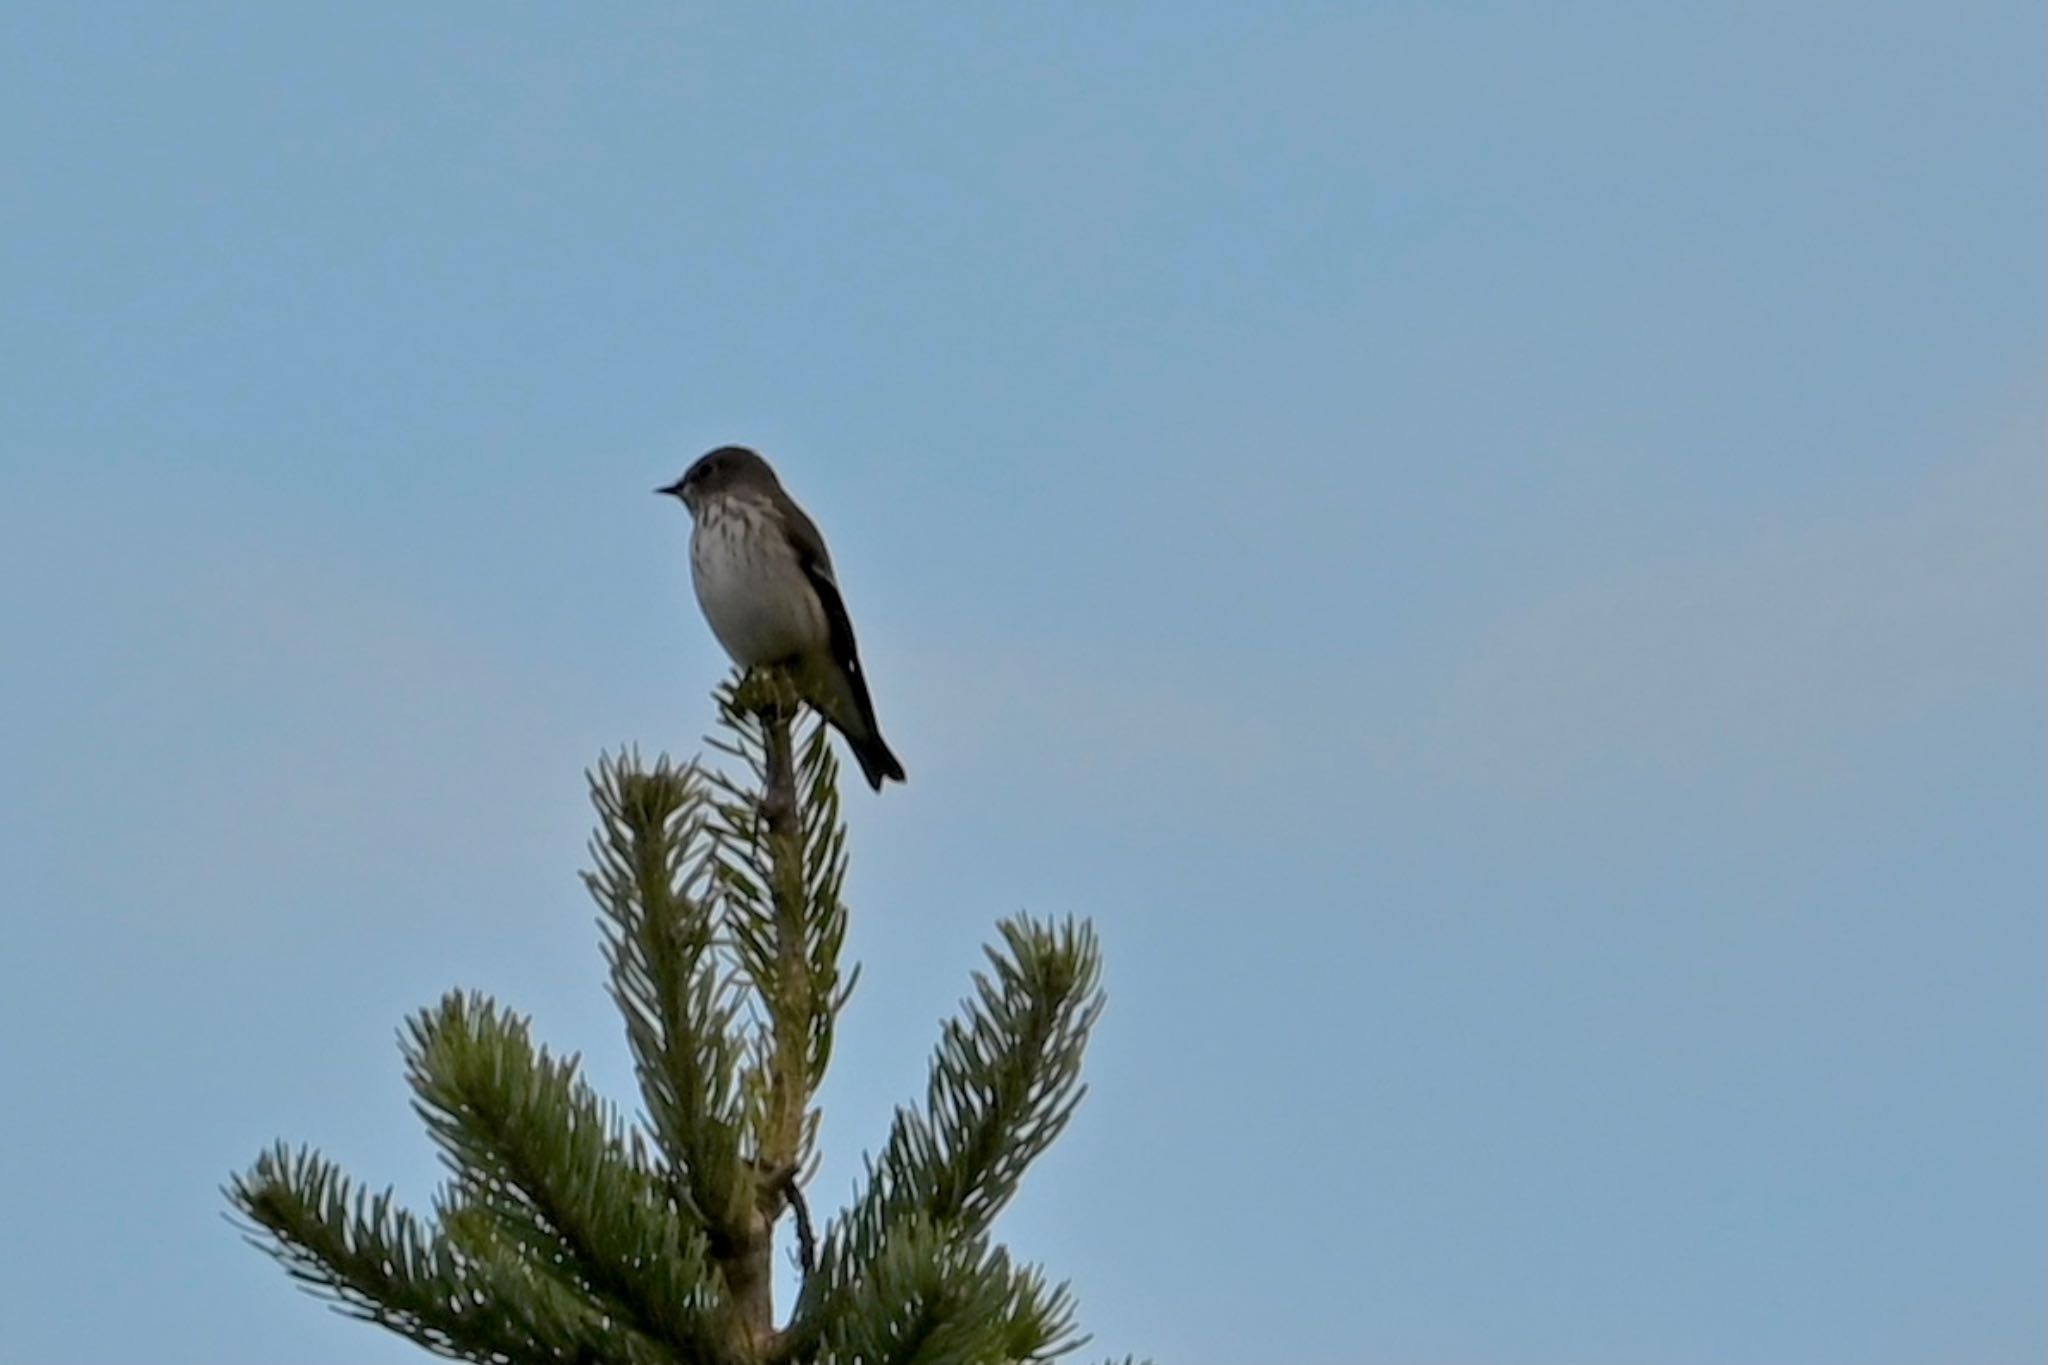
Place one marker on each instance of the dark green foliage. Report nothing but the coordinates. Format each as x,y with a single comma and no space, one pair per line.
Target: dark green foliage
567,1233
1004,1081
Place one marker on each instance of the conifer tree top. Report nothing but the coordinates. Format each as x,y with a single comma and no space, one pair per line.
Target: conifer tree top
569,1231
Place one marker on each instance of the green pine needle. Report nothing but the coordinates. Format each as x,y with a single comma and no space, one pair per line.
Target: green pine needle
567,1233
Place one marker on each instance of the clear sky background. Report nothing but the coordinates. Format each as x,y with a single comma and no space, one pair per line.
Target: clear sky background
1496,550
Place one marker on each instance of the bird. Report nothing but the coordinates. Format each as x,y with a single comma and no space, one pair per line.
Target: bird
764,580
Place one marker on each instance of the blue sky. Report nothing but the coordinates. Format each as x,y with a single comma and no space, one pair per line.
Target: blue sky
1496,550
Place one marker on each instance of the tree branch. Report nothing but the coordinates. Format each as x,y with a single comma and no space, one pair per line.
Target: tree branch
779,867
1004,1081
653,887
806,1237
542,1173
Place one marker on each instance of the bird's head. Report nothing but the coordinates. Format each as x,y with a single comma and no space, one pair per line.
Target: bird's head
728,469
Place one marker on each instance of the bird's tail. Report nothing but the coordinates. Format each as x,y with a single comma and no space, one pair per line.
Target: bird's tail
841,697
876,762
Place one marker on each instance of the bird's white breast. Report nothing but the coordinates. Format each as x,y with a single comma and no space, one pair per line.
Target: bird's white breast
754,593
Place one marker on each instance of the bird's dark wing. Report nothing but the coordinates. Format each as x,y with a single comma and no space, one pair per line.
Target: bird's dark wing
802,532
816,563
862,731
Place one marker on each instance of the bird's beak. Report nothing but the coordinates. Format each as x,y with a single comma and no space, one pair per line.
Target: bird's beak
674,490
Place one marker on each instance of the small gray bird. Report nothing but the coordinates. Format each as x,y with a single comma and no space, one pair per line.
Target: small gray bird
764,580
